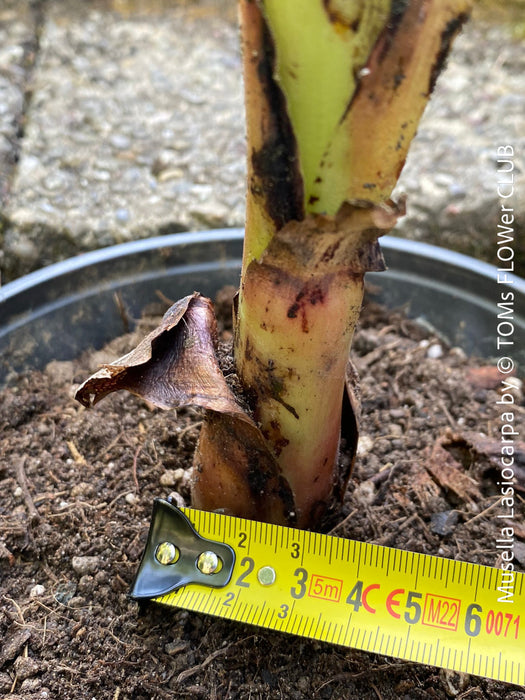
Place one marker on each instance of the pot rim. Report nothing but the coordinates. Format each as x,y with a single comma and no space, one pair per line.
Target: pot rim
79,262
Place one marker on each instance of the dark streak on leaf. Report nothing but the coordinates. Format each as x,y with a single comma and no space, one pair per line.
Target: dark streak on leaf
276,174
287,406
384,40
277,385
447,37
397,12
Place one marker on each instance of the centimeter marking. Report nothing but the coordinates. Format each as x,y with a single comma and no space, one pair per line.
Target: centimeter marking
422,608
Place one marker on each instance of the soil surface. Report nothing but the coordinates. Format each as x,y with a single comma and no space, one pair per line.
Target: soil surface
76,490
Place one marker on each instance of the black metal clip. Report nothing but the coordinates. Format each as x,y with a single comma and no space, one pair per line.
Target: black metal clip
176,555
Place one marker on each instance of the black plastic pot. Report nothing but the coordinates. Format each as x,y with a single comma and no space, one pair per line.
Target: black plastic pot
61,310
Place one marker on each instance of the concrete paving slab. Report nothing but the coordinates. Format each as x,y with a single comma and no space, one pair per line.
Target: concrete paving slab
19,25
135,128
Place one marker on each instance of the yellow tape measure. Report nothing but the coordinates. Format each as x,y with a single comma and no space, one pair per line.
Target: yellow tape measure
418,607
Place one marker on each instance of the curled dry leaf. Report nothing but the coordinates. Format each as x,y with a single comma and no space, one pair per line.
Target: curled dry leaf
175,366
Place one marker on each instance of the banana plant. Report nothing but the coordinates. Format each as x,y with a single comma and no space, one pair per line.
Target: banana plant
334,92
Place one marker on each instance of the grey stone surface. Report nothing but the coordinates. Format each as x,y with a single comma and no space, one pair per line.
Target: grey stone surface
450,175
19,24
136,128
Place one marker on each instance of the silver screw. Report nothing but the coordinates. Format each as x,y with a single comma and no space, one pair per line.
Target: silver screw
166,553
208,562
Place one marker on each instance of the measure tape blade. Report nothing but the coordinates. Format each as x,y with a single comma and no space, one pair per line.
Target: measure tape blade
441,612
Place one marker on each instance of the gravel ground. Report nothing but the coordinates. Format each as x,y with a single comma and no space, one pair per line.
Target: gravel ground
135,128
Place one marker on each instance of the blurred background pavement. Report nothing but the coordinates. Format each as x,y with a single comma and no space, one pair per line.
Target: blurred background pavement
123,119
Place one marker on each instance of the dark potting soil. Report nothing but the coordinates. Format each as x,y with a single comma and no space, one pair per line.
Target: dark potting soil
76,490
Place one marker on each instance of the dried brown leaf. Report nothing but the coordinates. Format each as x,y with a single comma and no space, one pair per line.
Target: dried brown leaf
233,467
485,453
486,377
174,366
450,474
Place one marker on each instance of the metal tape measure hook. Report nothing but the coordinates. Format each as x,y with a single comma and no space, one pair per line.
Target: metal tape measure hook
176,555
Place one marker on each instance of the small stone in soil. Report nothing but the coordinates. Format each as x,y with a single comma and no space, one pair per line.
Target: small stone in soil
37,591
519,552
444,523
434,352
365,492
31,685
177,500
65,591
6,683
26,667
85,565
175,647
13,643
364,445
